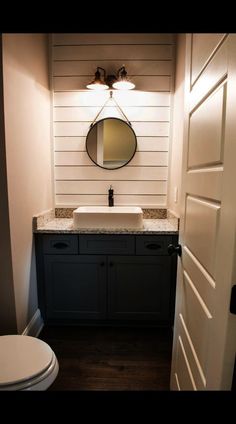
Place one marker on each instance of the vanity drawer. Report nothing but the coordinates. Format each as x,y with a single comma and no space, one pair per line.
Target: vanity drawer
107,244
152,245
60,244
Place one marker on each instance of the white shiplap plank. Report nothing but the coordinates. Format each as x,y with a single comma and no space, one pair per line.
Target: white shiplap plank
133,67
152,83
159,144
87,113
72,158
120,187
149,83
70,200
132,113
80,129
100,174
158,129
63,144
107,52
119,38
71,129
152,144
130,98
149,158
139,159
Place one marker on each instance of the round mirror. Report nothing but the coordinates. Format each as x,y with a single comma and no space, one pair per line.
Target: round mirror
111,143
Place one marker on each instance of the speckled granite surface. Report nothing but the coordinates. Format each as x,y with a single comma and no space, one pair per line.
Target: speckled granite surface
154,213
147,213
41,219
150,226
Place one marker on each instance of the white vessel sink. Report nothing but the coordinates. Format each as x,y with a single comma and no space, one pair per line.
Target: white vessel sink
108,217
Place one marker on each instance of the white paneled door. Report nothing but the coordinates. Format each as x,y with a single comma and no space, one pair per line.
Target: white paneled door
205,330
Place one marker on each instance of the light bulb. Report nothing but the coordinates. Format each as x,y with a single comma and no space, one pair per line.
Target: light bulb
123,85
97,86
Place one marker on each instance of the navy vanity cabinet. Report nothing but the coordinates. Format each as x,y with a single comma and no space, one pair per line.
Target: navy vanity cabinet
75,286
71,286
139,288
106,278
142,287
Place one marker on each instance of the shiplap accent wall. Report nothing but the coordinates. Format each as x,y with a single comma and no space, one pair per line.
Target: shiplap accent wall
149,61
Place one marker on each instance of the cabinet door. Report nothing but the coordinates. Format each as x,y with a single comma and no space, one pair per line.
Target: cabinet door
75,286
139,287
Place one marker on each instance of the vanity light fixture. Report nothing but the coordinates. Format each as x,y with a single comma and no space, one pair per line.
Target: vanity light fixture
97,83
120,82
123,83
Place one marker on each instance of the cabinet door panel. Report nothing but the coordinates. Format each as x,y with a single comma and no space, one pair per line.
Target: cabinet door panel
139,288
75,286
107,244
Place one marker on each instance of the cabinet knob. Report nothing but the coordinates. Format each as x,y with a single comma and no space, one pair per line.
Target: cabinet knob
111,264
102,263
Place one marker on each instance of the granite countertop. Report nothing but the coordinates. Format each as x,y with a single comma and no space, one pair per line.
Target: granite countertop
65,225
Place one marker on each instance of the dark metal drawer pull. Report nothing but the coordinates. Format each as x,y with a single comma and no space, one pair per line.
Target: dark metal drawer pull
60,245
153,246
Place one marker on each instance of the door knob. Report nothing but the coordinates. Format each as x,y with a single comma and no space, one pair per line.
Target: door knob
171,249
233,300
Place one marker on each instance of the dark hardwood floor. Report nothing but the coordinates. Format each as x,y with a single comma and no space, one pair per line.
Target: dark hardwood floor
110,358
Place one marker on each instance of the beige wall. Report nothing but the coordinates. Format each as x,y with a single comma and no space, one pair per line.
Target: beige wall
7,300
28,152
175,165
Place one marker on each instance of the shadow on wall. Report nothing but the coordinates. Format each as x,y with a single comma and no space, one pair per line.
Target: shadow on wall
32,292
27,44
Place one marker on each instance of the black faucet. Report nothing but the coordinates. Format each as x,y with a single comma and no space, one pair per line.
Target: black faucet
110,196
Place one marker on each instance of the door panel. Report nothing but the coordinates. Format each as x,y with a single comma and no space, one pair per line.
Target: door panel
183,370
197,318
205,131
205,330
205,182
195,366
202,280
212,76
203,46
201,238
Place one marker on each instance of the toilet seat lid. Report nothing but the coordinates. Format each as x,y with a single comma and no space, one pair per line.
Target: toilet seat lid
22,358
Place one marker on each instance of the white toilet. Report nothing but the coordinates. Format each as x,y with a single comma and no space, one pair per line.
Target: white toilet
26,363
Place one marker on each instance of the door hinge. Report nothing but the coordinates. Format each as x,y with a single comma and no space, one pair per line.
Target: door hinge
232,307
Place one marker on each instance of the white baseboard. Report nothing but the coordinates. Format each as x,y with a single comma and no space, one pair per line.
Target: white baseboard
35,325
